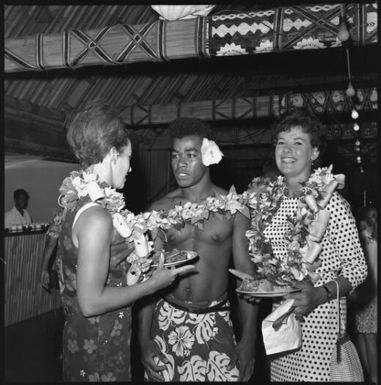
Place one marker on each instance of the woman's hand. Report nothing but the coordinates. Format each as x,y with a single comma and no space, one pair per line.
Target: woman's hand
306,300
163,277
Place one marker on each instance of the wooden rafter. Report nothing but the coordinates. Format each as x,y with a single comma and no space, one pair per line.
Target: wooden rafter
327,102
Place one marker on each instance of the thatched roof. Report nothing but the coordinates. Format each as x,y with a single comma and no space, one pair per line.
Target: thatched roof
38,103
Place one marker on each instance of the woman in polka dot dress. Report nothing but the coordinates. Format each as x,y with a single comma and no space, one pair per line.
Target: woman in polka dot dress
297,141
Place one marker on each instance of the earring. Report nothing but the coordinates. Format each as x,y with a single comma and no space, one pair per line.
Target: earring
114,156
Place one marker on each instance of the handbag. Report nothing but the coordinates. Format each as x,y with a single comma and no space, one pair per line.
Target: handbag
345,363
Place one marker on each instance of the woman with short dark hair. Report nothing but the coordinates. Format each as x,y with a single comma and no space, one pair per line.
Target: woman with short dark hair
297,147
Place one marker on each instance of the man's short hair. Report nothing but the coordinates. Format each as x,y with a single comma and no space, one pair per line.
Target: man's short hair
189,126
20,191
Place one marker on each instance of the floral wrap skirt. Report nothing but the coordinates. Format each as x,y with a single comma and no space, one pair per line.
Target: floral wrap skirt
198,344
97,349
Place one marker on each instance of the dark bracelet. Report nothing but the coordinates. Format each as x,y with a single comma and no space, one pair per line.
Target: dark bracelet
330,295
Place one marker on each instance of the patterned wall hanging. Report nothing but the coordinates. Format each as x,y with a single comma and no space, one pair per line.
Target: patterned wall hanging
274,30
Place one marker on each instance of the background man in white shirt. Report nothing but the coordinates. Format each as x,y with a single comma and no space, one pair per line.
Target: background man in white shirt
18,215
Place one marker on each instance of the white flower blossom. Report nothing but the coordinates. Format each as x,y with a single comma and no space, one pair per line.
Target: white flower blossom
211,153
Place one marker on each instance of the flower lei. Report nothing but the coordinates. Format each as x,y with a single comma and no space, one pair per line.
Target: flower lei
262,199
305,230
80,184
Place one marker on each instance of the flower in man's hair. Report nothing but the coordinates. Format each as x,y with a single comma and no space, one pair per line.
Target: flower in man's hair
211,153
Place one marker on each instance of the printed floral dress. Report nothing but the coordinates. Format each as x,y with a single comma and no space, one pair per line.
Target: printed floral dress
366,316
341,255
94,348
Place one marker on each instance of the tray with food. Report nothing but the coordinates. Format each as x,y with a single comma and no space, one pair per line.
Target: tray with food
174,257
260,287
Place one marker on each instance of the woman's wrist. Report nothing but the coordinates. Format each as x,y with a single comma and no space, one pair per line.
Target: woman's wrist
149,286
323,294
330,289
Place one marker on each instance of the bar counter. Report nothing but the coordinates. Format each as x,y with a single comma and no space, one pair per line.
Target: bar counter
24,296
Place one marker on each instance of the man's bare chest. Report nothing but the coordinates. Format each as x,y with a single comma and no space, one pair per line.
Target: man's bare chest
216,229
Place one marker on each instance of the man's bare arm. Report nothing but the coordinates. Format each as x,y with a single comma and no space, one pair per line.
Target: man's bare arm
248,311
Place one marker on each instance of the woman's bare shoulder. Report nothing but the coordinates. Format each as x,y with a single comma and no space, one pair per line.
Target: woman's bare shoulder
95,216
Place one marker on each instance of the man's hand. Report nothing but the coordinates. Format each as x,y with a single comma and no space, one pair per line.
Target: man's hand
149,350
245,355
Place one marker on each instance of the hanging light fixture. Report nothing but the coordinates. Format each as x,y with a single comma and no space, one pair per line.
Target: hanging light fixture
358,158
181,12
354,114
350,91
343,33
356,127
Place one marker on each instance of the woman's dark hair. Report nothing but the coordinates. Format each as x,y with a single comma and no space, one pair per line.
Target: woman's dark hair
189,126
94,131
302,118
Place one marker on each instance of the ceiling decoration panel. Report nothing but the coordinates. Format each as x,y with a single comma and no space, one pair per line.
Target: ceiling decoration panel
279,29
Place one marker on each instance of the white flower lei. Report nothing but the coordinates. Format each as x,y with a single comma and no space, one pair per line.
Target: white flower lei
305,232
262,198
80,184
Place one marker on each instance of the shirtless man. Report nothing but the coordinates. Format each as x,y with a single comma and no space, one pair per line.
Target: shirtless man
187,334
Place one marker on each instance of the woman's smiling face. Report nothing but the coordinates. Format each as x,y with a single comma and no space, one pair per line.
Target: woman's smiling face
294,153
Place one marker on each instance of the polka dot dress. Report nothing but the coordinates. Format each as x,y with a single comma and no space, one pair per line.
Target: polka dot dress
341,255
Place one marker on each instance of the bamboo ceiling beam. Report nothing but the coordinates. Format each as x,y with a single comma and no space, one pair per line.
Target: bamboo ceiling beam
321,102
279,29
23,134
22,109
43,150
